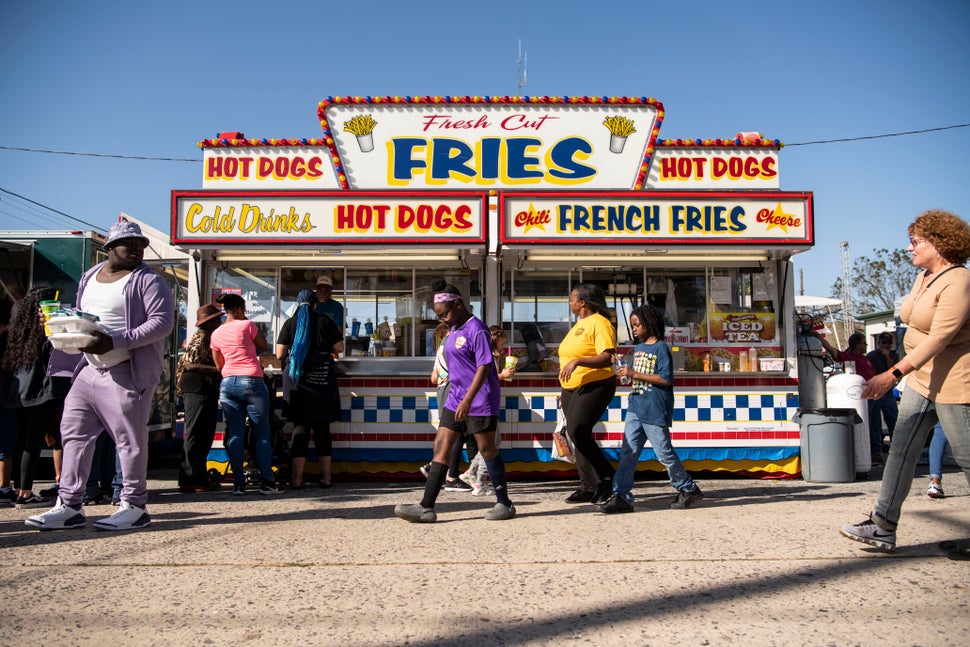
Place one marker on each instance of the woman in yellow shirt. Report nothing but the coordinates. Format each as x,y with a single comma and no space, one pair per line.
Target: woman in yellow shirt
588,385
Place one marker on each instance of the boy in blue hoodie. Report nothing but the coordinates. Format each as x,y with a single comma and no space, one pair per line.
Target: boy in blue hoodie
650,409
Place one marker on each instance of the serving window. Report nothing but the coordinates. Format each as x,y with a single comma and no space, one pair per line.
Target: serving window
722,309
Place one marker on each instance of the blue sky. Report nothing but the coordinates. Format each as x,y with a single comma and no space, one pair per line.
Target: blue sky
152,79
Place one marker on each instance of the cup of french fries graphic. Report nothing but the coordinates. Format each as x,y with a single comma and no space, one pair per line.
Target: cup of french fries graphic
362,126
620,128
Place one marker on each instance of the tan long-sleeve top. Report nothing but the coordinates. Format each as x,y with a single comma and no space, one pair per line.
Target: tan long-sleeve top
937,342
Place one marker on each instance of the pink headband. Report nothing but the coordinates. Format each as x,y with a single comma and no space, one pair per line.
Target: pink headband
443,297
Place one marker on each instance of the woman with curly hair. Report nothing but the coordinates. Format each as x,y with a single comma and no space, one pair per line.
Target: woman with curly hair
34,390
937,370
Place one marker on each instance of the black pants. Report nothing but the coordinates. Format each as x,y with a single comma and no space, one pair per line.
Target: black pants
33,425
322,441
201,410
468,442
583,408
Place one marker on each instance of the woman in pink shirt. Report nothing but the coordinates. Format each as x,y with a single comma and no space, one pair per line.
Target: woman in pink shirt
235,348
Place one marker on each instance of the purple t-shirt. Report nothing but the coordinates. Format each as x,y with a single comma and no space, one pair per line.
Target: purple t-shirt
466,348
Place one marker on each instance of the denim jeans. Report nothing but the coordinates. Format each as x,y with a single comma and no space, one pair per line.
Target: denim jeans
937,449
917,416
241,396
635,433
883,408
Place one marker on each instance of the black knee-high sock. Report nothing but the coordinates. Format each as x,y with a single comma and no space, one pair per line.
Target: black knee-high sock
496,472
436,476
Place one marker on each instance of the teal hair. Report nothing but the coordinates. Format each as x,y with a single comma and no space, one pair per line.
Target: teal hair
301,338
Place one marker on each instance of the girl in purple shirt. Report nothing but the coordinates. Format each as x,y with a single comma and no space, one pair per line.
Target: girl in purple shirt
471,408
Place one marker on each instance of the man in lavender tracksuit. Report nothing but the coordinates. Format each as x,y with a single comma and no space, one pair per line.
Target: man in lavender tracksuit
114,383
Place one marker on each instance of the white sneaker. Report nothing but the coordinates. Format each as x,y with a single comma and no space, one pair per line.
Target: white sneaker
60,517
467,478
481,490
127,517
868,532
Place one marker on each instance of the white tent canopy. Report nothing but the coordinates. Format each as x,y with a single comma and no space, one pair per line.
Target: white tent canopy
807,304
805,301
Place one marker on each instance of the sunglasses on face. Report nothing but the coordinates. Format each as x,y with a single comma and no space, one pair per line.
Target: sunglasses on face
444,315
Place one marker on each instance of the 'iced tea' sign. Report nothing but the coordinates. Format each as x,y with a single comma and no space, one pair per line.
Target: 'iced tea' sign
742,327
491,142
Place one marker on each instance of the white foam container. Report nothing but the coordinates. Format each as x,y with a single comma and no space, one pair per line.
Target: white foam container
71,342
70,323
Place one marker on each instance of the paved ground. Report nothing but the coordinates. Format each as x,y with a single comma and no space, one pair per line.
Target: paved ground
757,563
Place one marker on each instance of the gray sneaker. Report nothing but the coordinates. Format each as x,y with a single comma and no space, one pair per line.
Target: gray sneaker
685,500
868,532
415,513
500,512
60,517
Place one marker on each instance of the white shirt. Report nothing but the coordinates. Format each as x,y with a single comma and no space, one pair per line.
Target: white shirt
107,300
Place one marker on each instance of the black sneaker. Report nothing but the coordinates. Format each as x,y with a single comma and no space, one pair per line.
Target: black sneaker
603,492
239,490
425,470
686,499
616,504
269,488
9,497
51,491
31,501
457,486
580,496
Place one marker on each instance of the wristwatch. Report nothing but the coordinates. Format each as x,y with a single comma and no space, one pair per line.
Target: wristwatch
897,374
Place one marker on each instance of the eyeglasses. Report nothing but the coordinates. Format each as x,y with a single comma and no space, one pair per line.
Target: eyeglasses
916,242
444,315
885,342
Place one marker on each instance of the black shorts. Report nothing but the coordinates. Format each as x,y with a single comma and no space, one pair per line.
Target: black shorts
470,425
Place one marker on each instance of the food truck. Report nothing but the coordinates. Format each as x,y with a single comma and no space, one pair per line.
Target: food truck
514,200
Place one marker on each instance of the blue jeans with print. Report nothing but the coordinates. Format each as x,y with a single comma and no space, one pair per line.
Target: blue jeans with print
917,416
938,446
241,396
635,434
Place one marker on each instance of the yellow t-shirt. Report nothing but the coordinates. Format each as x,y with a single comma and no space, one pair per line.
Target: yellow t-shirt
589,337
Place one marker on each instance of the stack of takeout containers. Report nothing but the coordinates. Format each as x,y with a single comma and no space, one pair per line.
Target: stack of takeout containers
70,331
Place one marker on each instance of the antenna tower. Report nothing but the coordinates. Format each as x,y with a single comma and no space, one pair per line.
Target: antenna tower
520,67
848,317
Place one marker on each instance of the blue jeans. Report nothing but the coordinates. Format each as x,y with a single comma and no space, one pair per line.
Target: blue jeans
883,408
241,396
917,416
937,449
635,433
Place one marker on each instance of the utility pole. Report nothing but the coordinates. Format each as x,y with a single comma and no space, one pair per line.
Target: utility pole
520,67
848,317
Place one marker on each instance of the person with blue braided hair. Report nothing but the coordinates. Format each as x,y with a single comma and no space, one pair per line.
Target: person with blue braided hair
305,345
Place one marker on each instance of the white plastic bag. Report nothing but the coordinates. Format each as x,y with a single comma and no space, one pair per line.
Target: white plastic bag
562,449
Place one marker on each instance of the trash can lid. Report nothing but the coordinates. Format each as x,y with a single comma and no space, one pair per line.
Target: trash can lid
829,412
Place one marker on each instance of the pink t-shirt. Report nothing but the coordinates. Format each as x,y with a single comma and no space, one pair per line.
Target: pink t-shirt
234,339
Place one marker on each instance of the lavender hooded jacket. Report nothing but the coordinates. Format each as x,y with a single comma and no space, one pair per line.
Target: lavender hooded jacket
149,318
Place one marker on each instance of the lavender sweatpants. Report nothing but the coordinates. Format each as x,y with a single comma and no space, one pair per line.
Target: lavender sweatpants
105,399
